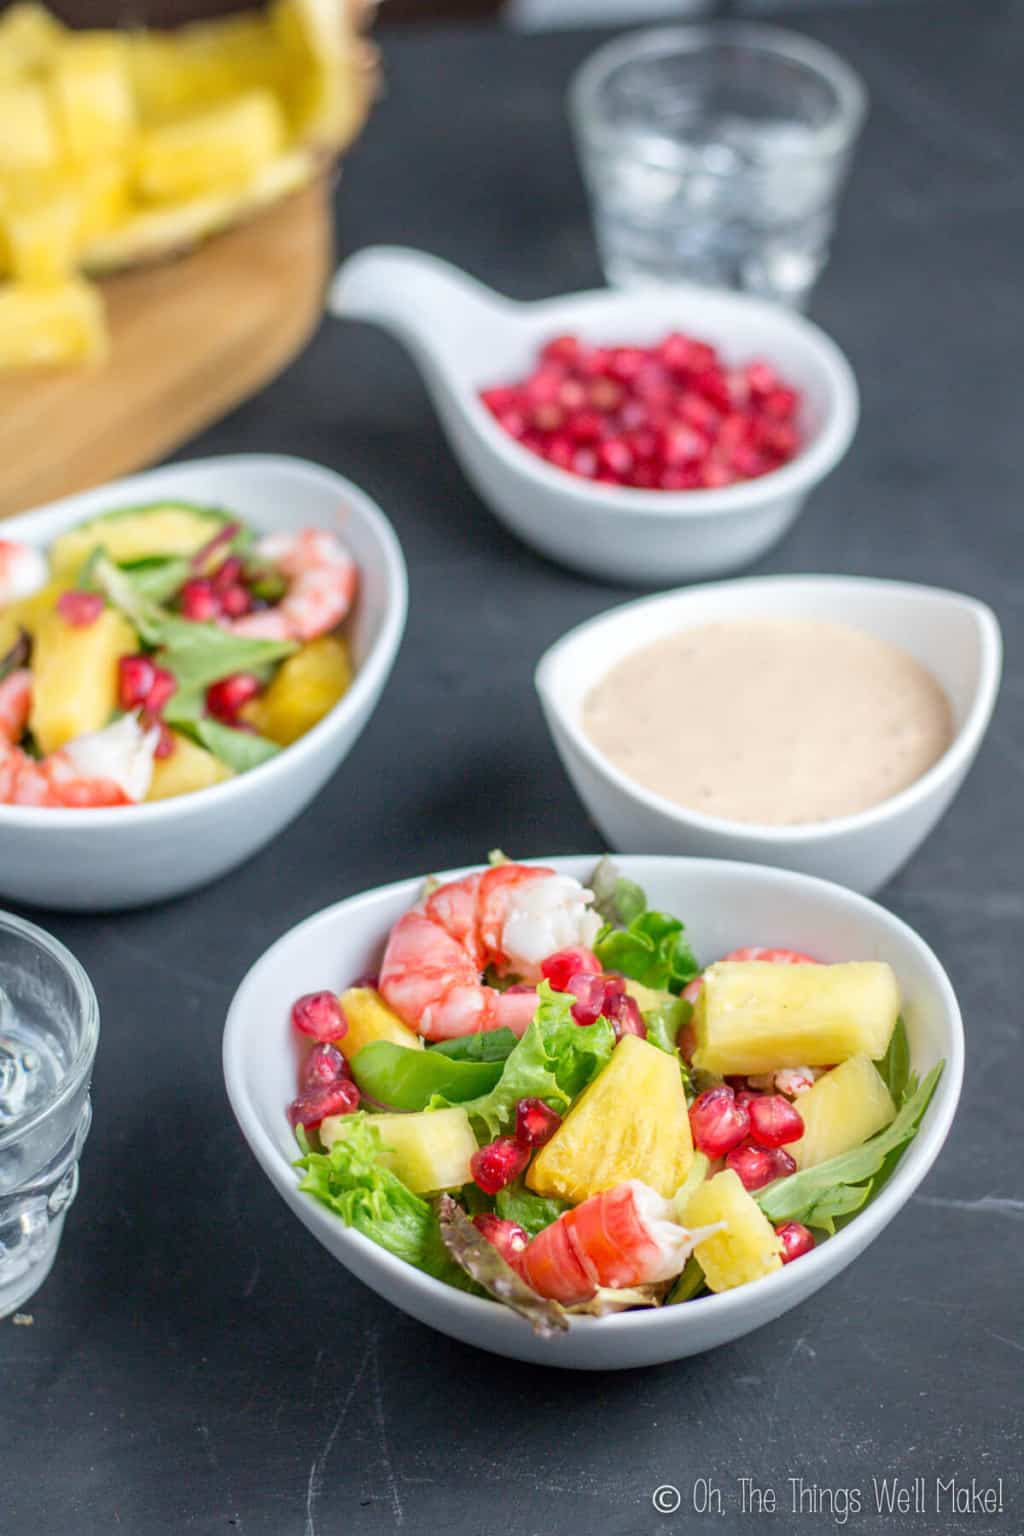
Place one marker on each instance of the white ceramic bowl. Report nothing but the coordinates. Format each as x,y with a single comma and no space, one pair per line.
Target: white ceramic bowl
724,905
466,337
125,856
955,636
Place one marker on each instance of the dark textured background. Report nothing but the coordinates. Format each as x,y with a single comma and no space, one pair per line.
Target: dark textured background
197,1363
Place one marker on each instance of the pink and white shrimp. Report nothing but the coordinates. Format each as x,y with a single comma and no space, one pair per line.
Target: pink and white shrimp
322,579
23,570
509,918
109,767
619,1238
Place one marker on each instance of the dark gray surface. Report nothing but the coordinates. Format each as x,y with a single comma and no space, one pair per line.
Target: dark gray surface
197,1363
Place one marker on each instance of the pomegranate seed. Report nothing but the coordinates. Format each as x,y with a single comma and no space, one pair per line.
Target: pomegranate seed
559,452
135,677
228,574
758,1166
166,745
337,1098
560,967
160,690
513,421
572,395
585,426
507,1236
498,1164
616,456
589,994
370,980
584,462
500,399
542,387
536,1122
714,387
561,349
773,1121
714,476
225,699
796,1240
686,1042
606,396
80,609
324,1064
626,363
199,601
319,1014
761,378
235,601
780,404
718,1123
626,1018
681,444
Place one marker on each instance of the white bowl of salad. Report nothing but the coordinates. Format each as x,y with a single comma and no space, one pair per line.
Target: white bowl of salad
186,656
597,1114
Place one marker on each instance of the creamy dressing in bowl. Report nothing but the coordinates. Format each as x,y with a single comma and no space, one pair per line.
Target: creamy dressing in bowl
771,721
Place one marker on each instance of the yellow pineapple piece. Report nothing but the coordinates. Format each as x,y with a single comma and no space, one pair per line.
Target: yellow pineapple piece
222,147
135,533
28,139
41,238
202,64
369,1018
102,189
844,1108
305,687
753,1016
92,95
630,1123
29,38
74,675
27,613
746,1247
189,767
326,89
40,327
429,1151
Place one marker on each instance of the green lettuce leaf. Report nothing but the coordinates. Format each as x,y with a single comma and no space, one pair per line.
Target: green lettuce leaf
349,1181
650,947
554,1061
841,1185
533,1212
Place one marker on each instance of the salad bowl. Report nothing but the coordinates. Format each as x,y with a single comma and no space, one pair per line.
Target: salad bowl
107,858
724,905
466,337
956,637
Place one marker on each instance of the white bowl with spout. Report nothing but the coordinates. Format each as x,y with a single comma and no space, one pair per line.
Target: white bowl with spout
724,906
956,637
465,337
124,856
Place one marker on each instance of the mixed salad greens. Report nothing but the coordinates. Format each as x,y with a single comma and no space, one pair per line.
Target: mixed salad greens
596,1163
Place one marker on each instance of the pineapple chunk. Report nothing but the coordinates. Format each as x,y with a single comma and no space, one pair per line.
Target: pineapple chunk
188,768
429,1151
630,1123
41,327
305,687
29,138
29,37
136,533
74,675
844,1108
370,1018
92,96
326,83
41,238
753,1016
28,613
222,147
746,1247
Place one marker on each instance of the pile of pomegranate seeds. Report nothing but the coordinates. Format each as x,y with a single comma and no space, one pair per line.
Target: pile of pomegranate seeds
222,595
326,1086
748,1129
578,970
671,417
143,685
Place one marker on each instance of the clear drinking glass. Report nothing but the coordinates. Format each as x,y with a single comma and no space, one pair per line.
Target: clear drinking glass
716,153
49,1026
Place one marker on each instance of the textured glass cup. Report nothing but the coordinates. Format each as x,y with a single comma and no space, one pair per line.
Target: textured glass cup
49,1026
716,154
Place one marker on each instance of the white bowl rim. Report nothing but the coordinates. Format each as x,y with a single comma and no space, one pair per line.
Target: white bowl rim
959,752
811,463
828,1258
364,683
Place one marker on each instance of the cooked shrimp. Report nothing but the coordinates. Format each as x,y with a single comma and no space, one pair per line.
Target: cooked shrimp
510,918
109,767
621,1237
23,570
321,576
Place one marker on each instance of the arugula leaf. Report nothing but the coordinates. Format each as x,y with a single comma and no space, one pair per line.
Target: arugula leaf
690,1284
120,588
241,750
532,1212
818,1195
894,1066
349,1181
554,1061
489,1045
158,579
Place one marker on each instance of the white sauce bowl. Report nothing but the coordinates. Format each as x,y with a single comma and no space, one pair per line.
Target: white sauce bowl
125,856
723,905
954,636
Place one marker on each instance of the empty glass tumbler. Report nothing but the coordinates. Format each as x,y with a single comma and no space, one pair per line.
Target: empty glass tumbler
49,1026
716,154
